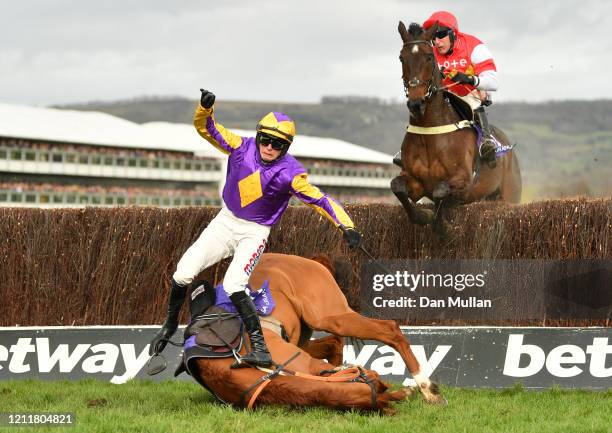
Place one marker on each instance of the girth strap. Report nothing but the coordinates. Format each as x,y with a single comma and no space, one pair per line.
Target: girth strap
264,380
273,325
442,129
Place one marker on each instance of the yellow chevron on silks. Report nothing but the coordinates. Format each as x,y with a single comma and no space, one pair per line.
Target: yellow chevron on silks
250,189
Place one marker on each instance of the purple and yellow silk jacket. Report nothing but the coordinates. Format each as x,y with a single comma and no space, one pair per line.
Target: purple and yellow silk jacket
260,192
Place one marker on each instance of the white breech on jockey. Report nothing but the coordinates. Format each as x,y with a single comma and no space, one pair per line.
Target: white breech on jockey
475,98
224,236
228,235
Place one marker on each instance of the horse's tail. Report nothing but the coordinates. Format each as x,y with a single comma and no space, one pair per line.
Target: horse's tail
341,270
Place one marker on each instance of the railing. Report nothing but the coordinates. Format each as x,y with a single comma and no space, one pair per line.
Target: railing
79,199
19,160
58,162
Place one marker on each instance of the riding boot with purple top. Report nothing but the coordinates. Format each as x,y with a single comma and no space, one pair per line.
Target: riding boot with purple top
259,354
487,148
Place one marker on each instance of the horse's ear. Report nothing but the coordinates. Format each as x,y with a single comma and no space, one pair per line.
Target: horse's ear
429,34
401,28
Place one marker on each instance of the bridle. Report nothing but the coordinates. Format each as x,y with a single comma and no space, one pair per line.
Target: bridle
415,82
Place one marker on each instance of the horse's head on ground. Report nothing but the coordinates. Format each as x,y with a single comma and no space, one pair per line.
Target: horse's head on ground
419,67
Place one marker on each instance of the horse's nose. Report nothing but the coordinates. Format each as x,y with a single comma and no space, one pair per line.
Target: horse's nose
414,105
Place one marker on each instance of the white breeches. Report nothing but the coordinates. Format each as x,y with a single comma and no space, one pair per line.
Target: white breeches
475,98
226,235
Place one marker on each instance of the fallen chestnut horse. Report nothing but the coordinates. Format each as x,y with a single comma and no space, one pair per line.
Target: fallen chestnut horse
308,298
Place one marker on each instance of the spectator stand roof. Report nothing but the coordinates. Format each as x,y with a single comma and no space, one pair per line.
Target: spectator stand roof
96,128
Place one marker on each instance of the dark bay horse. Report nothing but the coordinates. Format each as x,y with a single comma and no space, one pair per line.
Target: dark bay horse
440,161
308,298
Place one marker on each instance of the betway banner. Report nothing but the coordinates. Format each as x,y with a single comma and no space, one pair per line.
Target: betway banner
466,357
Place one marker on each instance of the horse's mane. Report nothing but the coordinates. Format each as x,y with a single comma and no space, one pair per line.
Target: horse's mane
415,29
341,270
326,261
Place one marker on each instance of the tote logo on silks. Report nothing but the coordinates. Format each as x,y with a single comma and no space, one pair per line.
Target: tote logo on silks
255,258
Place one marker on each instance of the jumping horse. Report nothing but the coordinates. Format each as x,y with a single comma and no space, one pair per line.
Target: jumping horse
307,298
440,158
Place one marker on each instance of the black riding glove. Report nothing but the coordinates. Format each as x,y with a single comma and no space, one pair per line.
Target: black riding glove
461,78
352,237
207,99
158,344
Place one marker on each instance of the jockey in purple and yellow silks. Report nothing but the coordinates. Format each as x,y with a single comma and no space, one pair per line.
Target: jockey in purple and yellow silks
259,191
261,178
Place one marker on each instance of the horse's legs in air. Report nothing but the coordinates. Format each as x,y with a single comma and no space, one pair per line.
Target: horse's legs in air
417,215
351,324
329,348
441,226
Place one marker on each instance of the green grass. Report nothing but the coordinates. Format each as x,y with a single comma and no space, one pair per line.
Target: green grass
178,406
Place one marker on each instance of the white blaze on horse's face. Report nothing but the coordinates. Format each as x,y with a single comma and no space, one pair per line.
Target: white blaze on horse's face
415,49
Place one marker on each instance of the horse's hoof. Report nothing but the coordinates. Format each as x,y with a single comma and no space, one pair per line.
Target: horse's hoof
424,216
443,229
401,395
388,411
437,400
399,186
441,191
410,392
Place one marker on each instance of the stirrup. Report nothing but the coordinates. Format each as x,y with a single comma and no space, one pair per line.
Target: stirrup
245,364
490,158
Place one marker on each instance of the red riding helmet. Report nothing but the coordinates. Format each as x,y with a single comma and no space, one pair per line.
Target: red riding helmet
445,19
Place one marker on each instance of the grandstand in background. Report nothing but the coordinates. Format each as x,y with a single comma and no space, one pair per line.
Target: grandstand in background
63,158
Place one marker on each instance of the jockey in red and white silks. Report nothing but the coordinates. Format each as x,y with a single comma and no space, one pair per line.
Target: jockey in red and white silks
458,52
469,72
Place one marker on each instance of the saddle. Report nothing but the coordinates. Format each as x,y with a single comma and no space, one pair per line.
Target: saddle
214,334
462,108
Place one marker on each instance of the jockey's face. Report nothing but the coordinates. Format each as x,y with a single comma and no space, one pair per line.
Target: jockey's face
443,45
268,153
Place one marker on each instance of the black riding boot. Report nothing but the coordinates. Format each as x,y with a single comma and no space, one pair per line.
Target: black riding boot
175,302
487,148
202,297
259,355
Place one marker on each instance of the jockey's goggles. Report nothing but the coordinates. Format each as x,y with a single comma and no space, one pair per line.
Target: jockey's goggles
277,143
441,34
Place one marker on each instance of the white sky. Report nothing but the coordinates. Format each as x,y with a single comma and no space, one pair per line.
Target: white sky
62,51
